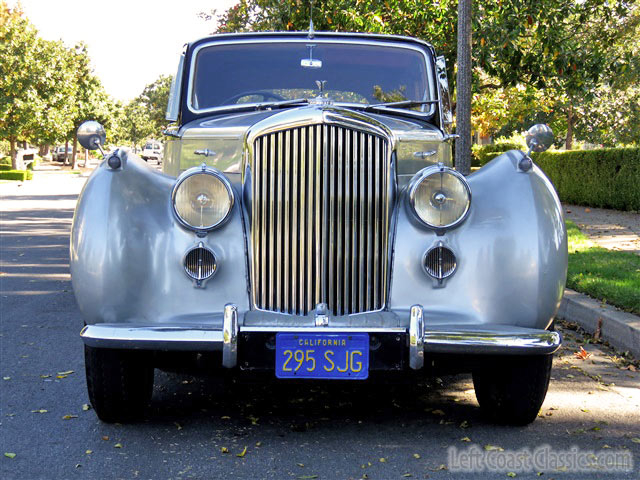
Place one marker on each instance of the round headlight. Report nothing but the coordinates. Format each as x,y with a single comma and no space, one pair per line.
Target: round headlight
202,199
440,197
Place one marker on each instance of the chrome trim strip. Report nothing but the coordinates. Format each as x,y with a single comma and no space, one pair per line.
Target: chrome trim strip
433,89
151,337
542,342
230,336
314,329
416,338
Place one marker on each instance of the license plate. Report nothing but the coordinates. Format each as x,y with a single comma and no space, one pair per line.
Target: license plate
342,356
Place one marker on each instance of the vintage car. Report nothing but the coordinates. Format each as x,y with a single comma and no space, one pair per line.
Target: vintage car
308,222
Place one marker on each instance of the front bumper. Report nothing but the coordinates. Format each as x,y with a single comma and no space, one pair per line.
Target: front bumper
453,339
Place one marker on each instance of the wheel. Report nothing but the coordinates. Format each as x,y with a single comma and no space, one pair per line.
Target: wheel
119,382
510,390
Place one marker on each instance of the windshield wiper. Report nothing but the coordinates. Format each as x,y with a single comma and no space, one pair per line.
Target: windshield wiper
402,104
281,103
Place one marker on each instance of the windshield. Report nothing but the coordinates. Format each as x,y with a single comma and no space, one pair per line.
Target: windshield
234,74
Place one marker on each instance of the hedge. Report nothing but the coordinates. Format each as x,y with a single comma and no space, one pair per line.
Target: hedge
605,178
16,175
483,154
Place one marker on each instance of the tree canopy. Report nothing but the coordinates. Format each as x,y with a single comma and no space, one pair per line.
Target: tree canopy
552,57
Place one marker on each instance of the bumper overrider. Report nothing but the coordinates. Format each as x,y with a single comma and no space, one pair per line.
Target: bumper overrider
421,337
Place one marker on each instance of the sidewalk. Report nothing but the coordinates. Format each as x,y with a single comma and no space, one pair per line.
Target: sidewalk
613,230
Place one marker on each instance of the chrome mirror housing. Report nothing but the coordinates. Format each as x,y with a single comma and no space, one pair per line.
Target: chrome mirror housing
539,138
91,135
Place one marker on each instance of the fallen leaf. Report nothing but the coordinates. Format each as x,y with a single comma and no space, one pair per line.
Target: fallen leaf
407,475
635,440
584,410
258,444
242,453
631,368
254,420
117,445
416,455
225,417
224,450
104,437
582,354
440,467
178,426
300,464
68,372
45,376
438,412
491,448
42,410
605,446
465,439
464,424
9,455
511,474
310,477
89,452
86,407
587,210
570,376
383,460
69,417
6,378
539,474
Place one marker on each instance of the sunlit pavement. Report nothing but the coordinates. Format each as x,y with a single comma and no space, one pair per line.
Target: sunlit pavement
310,431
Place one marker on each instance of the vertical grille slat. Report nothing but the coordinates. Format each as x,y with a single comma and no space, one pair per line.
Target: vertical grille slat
320,220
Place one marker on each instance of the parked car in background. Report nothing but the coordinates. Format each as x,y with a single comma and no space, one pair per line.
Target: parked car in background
152,151
310,224
58,154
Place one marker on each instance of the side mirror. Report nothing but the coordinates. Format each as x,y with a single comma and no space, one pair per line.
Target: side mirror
91,135
539,138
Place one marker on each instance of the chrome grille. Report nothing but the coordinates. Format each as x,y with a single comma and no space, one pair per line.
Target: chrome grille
320,220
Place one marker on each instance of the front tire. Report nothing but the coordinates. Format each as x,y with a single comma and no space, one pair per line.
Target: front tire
511,390
119,382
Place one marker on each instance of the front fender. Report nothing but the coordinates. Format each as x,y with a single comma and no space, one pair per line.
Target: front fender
511,252
127,250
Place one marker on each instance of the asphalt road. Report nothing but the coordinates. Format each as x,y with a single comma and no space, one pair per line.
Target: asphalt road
335,431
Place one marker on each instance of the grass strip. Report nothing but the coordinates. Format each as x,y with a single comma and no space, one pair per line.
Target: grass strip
607,275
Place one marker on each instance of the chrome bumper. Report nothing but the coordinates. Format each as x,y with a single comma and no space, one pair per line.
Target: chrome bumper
458,339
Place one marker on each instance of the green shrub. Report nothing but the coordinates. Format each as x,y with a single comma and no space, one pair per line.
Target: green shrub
605,178
5,161
16,175
4,167
482,154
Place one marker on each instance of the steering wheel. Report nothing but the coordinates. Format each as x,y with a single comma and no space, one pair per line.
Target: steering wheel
265,94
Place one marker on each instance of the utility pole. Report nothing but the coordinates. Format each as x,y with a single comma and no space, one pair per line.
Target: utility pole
463,82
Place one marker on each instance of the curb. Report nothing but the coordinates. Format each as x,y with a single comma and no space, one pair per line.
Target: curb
620,329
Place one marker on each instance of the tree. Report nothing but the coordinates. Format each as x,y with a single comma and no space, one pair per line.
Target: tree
564,49
90,98
154,98
135,124
34,83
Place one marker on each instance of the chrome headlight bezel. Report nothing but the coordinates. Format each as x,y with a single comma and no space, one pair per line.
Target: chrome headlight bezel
417,181
202,170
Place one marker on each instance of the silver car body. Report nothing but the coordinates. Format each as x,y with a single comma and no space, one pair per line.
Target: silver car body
128,248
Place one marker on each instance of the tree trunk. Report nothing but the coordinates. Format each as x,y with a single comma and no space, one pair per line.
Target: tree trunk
569,142
13,153
66,156
463,101
74,155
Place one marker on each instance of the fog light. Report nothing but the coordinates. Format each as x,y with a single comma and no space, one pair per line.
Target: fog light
439,262
200,264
